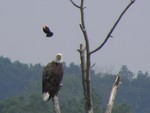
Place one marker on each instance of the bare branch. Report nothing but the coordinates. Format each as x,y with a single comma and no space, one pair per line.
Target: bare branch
56,104
74,4
56,100
117,81
113,28
113,95
81,28
93,65
81,48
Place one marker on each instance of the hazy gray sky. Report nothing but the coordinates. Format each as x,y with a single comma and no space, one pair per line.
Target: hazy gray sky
21,36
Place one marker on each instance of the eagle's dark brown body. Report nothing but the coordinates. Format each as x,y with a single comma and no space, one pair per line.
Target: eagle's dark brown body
52,76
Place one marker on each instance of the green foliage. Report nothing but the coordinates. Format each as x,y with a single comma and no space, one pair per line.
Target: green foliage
122,108
21,104
20,90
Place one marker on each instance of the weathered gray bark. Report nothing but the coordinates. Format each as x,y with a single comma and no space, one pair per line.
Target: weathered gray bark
56,104
86,81
113,95
55,100
83,69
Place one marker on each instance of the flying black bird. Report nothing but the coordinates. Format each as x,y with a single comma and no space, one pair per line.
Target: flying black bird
52,77
47,31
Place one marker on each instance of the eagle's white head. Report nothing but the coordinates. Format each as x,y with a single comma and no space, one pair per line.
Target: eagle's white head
58,58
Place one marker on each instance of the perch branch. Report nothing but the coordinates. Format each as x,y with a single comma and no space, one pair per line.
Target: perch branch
113,27
56,104
56,100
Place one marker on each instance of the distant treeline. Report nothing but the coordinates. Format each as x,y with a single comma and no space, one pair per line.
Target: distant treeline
20,89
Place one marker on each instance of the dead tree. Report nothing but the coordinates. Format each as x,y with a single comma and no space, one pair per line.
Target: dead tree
85,53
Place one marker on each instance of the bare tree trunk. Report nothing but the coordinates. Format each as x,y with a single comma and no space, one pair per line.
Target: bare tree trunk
113,95
83,69
56,104
86,80
89,103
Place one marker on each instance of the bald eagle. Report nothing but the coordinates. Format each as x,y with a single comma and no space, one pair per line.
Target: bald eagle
47,31
52,77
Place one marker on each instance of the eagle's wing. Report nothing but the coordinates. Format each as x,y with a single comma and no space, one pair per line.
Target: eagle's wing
52,76
47,78
47,82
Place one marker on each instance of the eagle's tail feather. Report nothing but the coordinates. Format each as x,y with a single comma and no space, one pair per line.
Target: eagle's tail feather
46,96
